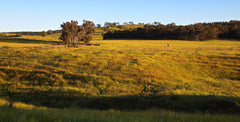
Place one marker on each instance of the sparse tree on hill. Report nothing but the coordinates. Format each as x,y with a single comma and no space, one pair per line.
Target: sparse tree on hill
99,25
131,23
107,24
49,32
44,33
156,23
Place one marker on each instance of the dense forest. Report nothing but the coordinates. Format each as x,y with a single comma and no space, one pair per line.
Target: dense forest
198,31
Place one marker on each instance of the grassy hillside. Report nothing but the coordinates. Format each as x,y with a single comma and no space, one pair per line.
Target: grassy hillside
126,67
122,74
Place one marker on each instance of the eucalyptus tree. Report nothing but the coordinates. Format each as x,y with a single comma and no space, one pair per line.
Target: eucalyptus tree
72,33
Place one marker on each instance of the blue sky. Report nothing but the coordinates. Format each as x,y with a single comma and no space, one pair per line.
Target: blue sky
38,15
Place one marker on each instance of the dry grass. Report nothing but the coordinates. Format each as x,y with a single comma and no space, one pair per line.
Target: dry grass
126,67
56,74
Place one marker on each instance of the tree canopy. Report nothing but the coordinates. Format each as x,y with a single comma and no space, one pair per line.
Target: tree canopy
199,31
72,33
44,33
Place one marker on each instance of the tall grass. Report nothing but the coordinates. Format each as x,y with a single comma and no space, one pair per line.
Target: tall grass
34,71
88,115
127,67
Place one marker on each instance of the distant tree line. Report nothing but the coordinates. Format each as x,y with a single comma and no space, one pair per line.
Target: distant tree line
49,32
9,35
199,31
111,24
117,24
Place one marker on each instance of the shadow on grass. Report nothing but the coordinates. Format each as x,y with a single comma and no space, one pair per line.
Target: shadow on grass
30,41
182,103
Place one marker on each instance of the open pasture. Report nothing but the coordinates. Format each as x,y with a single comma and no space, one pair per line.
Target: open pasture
187,76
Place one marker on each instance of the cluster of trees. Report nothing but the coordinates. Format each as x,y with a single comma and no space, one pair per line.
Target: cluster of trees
72,33
199,31
111,24
114,24
44,33
128,23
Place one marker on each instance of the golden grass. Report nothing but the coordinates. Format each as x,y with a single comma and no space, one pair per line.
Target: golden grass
116,68
128,67
53,37
20,105
3,102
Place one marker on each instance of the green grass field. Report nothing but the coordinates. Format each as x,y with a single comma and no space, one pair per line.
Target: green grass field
121,80
86,115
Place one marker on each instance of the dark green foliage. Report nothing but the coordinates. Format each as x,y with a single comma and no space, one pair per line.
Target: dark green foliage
199,31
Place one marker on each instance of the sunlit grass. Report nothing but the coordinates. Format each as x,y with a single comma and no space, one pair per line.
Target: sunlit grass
52,37
37,66
126,67
19,105
3,102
